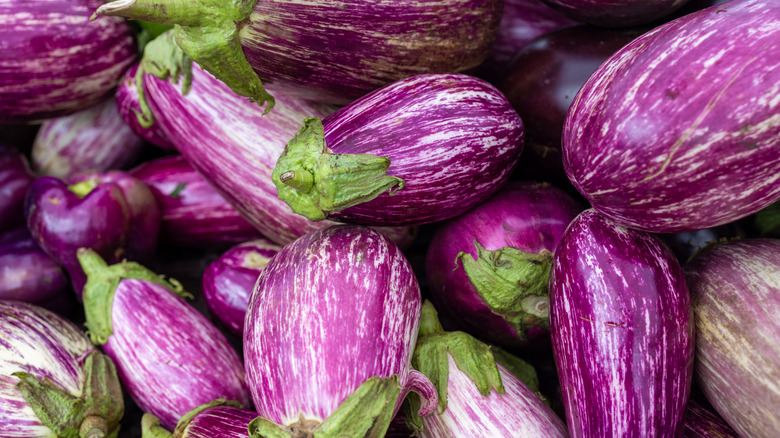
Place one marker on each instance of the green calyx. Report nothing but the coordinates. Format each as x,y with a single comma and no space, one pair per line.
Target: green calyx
185,420
768,221
102,281
208,31
513,283
315,182
518,367
95,414
151,428
83,188
367,412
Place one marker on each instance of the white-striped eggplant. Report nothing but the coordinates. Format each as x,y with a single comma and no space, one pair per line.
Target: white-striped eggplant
622,331
420,150
177,360
329,334
128,102
701,422
679,130
616,13
93,139
217,419
54,62
53,381
15,178
735,288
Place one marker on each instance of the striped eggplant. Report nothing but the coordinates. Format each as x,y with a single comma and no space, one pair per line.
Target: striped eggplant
54,62
217,419
229,280
93,139
15,178
321,50
128,102
329,334
735,288
417,151
679,130
53,382
616,13
26,272
179,361
192,213
700,422
478,397
488,269
622,331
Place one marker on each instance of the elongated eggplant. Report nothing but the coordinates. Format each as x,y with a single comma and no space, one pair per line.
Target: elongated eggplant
329,333
420,150
488,269
129,106
622,331
616,13
53,381
26,272
678,130
15,178
735,287
54,62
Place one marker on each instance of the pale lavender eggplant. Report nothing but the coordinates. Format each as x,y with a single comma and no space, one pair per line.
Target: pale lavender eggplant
701,422
192,213
452,139
178,361
334,309
735,288
127,101
93,139
53,61
616,13
26,272
622,331
678,130
15,179
229,280
523,215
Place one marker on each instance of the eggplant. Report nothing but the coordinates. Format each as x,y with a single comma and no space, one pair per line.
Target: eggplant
54,62
54,381
735,288
93,139
622,331
219,418
128,102
488,269
15,178
192,213
229,280
616,13
329,334
354,48
26,272
179,361
701,422
420,150
678,130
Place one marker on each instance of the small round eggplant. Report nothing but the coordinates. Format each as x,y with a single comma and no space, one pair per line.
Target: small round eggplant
15,178
26,272
700,422
129,105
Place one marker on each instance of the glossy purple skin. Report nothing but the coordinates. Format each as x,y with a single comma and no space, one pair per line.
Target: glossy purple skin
616,13
701,422
15,179
54,61
229,280
454,139
330,310
220,422
678,130
193,213
622,331
92,139
179,361
735,290
525,215
127,102
26,272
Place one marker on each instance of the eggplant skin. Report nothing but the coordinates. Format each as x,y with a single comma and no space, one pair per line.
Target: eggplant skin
735,288
26,272
616,13
219,421
622,331
679,130
54,61
15,178
127,102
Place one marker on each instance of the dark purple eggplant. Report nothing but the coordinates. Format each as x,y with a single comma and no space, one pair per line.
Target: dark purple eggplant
420,150
26,272
678,130
616,13
53,61
735,288
622,331
128,103
15,178
701,422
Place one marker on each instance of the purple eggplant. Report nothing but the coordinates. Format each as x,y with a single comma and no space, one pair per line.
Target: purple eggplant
26,272
417,151
616,13
228,281
488,269
129,106
15,178
678,130
329,333
53,382
192,213
54,62
735,288
217,419
701,422
622,331
93,139
179,361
